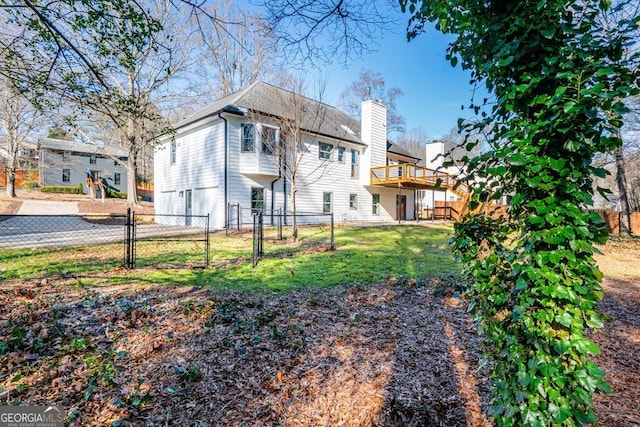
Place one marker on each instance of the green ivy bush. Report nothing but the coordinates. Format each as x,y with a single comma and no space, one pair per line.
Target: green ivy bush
558,78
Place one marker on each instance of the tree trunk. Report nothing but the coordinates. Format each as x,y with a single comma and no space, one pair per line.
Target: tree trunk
11,182
621,181
294,222
132,191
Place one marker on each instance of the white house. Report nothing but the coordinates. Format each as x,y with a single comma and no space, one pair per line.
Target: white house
218,158
435,152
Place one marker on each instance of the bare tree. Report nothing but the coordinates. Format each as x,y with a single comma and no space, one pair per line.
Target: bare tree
18,120
371,85
238,47
300,121
414,141
327,30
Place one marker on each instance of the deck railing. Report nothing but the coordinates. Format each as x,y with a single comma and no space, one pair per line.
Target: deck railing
417,176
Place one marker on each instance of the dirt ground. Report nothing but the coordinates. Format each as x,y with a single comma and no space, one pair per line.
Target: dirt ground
395,354
86,204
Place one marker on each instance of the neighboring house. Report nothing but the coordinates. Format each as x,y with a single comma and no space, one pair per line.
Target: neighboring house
216,158
435,152
67,163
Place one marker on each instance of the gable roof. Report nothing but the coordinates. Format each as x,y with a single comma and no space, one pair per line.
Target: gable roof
262,98
80,147
396,149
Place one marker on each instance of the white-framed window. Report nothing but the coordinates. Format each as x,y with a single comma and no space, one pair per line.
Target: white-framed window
341,151
327,202
324,150
172,155
257,199
375,204
117,178
66,156
269,138
353,202
66,175
93,159
355,163
247,138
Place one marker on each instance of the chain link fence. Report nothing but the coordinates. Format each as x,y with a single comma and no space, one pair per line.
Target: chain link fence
275,230
131,240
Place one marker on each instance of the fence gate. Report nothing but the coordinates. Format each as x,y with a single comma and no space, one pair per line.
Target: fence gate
172,241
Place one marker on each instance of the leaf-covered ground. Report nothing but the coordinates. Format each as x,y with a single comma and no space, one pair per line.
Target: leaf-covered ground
400,353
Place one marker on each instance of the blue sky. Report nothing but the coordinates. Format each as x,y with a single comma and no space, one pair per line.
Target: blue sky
433,90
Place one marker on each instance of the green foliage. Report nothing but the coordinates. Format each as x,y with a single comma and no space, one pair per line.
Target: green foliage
65,189
558,79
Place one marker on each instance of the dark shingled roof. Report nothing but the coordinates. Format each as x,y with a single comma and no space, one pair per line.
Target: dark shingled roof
269,100
396,149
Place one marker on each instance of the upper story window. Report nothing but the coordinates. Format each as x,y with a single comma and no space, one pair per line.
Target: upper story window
66,156
355,163
341,151
324,150
269,139
93,159
247,138
172,155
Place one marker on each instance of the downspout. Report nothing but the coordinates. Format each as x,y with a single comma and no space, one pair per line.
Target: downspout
226,170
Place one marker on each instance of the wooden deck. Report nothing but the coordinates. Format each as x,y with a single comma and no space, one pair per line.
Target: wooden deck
417,177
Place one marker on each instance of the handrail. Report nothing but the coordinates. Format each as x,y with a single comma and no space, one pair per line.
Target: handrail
406,173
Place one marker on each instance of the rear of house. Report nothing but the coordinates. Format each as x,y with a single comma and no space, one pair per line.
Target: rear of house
219,163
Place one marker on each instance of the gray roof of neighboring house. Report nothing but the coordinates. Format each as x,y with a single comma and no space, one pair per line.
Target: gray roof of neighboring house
396,149
81,147
269,100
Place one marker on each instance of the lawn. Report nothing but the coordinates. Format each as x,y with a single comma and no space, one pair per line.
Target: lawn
373,333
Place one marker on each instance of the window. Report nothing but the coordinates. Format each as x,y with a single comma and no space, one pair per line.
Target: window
116,179
66,175
353,201
172,156
247,142
66,156
327,202
93,159
269,140
355,164
375,205
257,199
341,151
115,162
324,150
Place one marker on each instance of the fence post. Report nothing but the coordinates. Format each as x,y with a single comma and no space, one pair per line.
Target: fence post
127,237
279,223
333,246
260,234
207,244
239,221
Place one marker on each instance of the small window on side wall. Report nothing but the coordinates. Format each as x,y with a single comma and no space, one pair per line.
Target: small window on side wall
172,155
341,151
247,138
66,175
327,202
93,159
375,205
269,140
116,179
257,199
324,151
353,202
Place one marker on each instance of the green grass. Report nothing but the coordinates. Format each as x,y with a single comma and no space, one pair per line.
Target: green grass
363,255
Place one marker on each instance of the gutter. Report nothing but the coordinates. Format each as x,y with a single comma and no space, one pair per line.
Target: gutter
226,169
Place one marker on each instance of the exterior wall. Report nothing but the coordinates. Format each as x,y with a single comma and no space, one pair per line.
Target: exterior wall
427,197
199,166
374,133
52,164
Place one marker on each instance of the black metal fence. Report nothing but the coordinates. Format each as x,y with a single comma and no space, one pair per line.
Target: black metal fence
137,240
276,227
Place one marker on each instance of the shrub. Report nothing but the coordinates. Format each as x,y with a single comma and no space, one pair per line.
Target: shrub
65,189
